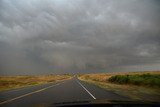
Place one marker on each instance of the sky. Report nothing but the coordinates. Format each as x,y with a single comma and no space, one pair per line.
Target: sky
79,36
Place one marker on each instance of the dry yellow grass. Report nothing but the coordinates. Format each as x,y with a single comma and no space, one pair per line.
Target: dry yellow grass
102,77
11,82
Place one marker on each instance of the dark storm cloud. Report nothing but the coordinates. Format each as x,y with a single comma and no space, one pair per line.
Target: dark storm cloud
58,36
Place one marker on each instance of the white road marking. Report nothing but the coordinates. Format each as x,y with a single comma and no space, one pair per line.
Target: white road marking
86,90
7,101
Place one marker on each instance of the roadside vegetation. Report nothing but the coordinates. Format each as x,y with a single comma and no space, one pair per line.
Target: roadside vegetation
12,82
135,85
137,79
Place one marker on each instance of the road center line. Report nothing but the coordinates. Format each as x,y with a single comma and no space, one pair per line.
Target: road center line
86,90
10,100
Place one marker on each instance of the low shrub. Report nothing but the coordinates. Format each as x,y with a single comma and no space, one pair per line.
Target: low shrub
137,79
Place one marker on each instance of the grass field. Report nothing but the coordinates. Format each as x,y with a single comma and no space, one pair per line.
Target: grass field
135,85
12,82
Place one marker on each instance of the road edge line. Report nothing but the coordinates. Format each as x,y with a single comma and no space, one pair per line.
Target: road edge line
24,95
86,90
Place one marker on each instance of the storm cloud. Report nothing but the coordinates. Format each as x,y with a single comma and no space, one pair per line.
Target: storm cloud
79,36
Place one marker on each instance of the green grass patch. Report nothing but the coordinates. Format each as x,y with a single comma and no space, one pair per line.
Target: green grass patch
137,79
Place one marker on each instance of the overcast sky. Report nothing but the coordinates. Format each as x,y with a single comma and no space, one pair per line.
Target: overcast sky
79,36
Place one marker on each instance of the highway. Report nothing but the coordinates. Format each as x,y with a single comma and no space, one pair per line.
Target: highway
54,93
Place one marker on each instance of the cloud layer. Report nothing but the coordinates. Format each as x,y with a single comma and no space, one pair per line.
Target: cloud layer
61,36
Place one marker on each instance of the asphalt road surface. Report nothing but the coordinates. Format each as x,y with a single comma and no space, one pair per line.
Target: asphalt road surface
54,93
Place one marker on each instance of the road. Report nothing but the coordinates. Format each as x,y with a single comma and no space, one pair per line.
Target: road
66,91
